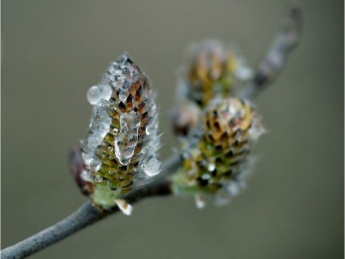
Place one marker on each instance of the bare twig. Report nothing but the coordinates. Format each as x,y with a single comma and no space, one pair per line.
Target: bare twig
86,215
273,62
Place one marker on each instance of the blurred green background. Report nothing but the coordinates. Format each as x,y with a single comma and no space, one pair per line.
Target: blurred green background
53,51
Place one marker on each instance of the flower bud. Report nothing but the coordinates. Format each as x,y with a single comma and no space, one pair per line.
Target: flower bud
215,158
212,70
119,151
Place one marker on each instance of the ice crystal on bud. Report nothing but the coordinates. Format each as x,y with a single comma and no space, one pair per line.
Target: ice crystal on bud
124,122
215,159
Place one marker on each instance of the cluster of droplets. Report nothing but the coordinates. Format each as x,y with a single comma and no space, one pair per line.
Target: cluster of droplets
119,151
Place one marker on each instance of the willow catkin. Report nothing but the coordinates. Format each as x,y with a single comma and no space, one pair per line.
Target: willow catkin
119,151
211,70
216,154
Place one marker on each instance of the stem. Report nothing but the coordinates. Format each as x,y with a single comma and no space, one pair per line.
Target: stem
87,215
273,62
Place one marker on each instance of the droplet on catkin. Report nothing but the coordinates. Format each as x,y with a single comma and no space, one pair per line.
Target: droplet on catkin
98,179
93,95
105,92
151,166
95,165
127,138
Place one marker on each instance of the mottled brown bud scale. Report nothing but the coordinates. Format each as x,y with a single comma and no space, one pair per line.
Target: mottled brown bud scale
120,147
221,145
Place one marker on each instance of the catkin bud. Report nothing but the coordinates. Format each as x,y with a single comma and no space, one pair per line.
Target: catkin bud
215,158
212,70
119,151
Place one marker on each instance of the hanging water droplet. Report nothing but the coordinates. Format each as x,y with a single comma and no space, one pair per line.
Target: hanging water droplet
105,91
87,158
151,166
124,161
127,138
93,95
123,96
85,175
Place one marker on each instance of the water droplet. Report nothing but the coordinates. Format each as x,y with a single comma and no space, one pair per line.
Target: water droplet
125,161
211,167
105,92
151,166
127,137
152,126
95,165
87,158
85,175
123,96
115,131
93,95
98,179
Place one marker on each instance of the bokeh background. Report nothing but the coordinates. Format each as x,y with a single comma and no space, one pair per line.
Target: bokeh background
53,51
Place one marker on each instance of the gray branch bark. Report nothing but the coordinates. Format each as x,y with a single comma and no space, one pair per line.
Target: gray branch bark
286,39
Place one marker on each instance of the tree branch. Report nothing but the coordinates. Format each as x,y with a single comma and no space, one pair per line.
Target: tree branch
273,62
87,215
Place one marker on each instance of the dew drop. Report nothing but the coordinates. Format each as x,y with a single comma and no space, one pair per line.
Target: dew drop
105,92
98,179
127,138
95,165
152,126
115,131
87,158
123,96
93,95
211,167
151,166
85,175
